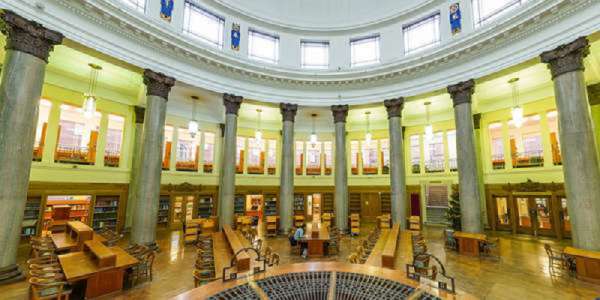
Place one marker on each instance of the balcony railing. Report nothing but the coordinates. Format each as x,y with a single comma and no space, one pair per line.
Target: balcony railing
74,154
528,159
452,164
111,158
498,162
434,166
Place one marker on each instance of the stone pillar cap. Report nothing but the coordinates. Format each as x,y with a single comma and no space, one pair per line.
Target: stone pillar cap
340,112
288,111
232,103
158,84
394,107
567,58
28,36
462,91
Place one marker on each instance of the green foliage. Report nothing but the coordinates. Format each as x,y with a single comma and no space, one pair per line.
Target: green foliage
453,212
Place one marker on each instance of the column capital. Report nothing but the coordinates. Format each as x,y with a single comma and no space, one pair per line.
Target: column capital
139,114
477,121
232,103
28,36
340,112
288,111
394,107
158,84
567,57
461,92
594,93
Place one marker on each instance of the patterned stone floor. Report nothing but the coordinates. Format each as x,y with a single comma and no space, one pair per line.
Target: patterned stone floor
521,273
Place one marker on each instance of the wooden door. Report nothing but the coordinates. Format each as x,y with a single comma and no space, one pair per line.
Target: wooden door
565,219
370,206
415,204
502,212
524,214
543,215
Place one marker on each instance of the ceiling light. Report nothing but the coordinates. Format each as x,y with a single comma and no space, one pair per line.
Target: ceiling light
517,111
313,136
428,127
258,133
193,124
89,98
368,135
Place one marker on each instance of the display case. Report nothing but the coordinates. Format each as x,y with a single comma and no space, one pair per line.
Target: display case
163,210
106,213
205,206
29,226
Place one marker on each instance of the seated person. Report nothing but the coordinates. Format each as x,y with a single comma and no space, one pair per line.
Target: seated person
297,237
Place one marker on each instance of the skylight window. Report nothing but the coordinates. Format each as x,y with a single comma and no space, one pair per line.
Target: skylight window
315,55
263,47
203,25
485,11
139,5
364,51
422,34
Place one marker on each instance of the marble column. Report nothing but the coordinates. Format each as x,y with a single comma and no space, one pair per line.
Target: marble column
340,112
135,164
481,184
227,189
397,168
577,142
468,178
147,196
28,46
286,187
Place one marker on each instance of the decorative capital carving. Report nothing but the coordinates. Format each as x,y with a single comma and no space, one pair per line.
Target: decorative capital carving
462,91
139,114
340,112
567,58
28,36
158,84
477,121
394,107
594,93
288,111
232,103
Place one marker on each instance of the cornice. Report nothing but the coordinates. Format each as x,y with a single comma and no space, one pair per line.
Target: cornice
533,18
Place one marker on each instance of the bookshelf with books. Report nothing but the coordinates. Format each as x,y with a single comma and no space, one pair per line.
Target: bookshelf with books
270,207
163,210
354,203
328,206
299,204
31,217
239,204
386,203
106,213
61,209
205,206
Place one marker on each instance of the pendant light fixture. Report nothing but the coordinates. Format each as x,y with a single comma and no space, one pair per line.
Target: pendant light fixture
368,135
428,127
313,135
258,133
89,98
193,124
517,111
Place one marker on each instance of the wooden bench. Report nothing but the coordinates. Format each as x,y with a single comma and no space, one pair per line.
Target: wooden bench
468,243
587,263
375,256
388,255
242,259
221,252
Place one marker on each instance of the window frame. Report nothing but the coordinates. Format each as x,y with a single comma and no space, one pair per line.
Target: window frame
436,18
479,20
254,32
304,64
188,5
137,6
356,41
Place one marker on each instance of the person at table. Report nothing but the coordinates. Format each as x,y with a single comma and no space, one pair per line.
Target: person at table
298,238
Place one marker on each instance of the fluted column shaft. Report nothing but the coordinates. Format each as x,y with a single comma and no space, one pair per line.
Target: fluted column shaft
227,189
27,49
397,168
468,177
286,187
147,187
135,164
340,112
577,141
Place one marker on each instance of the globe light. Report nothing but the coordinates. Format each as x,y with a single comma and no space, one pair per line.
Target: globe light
258,136
89,106
517,116
429,132
193,128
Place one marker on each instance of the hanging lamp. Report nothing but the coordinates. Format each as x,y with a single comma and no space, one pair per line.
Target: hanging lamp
517,111
258,133
193,124
313,136
89,98
428,127
368,135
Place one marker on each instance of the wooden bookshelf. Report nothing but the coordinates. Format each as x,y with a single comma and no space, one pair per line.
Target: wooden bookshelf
164,205
354,203
270,206
29,226
106,213
386,203
205,206
239,204
60,211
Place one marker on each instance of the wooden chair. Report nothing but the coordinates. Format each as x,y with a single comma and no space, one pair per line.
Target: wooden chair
46,275
274,260
43,288
257,244
556,259
490,248
362,254
202,277
334,245
353,258
143,269
449,240
267,253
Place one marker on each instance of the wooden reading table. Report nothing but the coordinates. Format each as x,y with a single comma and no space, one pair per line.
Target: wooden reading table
316,236
375,256
468,243
587,262
242,259
100,266
75,235
388,254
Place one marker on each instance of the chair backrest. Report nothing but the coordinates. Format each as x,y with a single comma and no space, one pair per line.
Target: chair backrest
275,259
258,244
548,250
360,250
353,258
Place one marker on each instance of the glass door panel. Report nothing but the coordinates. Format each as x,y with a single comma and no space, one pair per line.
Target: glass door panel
523,213
177,210
502,212
543,213
189,208
565,218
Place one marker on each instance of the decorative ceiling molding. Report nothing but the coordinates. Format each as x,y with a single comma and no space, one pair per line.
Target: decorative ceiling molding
162,49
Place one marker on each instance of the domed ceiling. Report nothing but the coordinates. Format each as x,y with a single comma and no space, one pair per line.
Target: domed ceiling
322,14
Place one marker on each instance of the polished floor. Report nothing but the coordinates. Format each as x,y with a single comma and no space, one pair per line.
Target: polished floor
521,273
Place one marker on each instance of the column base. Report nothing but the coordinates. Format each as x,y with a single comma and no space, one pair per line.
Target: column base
11,274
